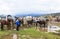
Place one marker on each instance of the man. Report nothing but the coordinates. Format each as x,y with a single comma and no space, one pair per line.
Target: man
18,23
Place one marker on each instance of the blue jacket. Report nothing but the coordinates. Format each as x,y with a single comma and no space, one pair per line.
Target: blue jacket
18,23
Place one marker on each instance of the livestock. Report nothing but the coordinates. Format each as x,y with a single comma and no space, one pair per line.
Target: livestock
8,22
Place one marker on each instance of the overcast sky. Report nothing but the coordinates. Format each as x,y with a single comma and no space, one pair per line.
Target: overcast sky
29,6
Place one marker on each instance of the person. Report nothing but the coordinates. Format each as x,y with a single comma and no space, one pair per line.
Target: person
18,23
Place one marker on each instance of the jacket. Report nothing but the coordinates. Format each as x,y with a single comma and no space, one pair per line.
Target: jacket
18,23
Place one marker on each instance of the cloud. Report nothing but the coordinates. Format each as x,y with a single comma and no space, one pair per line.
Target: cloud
29,6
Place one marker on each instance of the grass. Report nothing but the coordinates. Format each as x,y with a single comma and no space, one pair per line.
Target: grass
32,32
36,34
5,32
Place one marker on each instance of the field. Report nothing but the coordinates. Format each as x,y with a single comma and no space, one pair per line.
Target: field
30,33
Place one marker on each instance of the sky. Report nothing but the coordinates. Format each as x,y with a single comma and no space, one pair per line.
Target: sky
29,6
